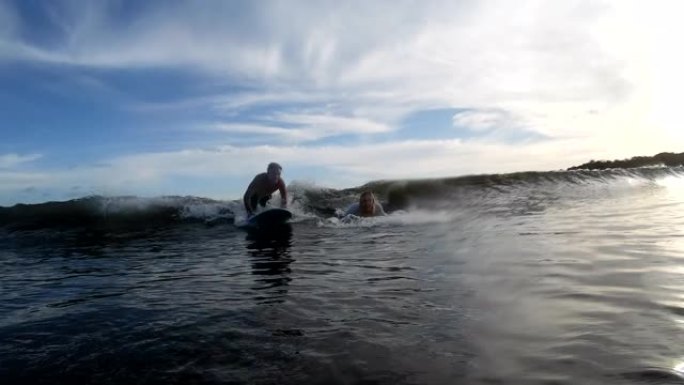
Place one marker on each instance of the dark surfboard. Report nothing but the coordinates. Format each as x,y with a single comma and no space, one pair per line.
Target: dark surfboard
267,219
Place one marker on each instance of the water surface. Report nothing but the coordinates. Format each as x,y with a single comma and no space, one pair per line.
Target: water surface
564,280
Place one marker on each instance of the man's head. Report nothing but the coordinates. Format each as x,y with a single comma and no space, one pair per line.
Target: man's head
367,203
273,171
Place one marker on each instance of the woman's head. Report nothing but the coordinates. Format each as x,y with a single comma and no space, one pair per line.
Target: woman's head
367,204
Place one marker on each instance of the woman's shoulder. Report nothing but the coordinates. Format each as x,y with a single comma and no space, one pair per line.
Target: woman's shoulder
353,209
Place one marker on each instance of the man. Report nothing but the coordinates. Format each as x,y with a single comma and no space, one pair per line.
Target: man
261,188
367,206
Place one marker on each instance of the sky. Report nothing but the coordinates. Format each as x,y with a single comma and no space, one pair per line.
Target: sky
151,98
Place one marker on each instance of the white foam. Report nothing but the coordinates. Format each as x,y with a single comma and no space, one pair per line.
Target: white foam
208,210
188,207
397,218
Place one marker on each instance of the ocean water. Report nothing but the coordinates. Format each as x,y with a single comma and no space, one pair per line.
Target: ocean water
532,278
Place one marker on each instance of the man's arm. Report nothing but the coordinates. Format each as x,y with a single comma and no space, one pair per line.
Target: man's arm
283,193
248,195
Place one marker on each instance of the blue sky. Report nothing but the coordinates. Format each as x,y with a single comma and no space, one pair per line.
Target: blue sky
194,98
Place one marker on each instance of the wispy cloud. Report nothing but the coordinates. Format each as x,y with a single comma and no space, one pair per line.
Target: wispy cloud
430,44
472,54
17,181
13,160
334,124
483,120
8,22
294,128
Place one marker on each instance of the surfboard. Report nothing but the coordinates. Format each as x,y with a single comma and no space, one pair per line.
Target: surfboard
267,218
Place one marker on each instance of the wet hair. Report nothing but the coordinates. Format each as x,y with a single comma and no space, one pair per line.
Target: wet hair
362,211
274,165
366,193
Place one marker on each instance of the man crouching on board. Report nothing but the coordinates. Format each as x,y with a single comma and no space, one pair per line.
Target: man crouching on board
261,188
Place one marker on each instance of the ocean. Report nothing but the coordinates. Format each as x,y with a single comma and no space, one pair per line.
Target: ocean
567,277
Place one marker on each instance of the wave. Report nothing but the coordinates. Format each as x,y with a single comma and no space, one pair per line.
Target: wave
490,190
511,194
114,212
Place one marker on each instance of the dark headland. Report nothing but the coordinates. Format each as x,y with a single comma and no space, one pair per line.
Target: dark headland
668,159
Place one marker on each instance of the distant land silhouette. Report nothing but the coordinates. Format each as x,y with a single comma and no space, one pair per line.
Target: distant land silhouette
669,159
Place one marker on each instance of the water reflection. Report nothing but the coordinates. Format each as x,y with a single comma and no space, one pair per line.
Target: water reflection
270,259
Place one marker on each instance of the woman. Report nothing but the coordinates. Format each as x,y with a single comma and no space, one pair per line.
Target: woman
367,206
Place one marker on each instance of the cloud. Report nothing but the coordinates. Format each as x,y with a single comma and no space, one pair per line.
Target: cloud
484,120
334,124
492,54
331,45
295,128
8,22
13,160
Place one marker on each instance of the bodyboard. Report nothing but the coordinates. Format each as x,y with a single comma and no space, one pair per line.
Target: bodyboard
267,218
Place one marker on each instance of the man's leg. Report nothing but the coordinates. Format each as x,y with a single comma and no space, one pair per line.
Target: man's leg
253,200
264,200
